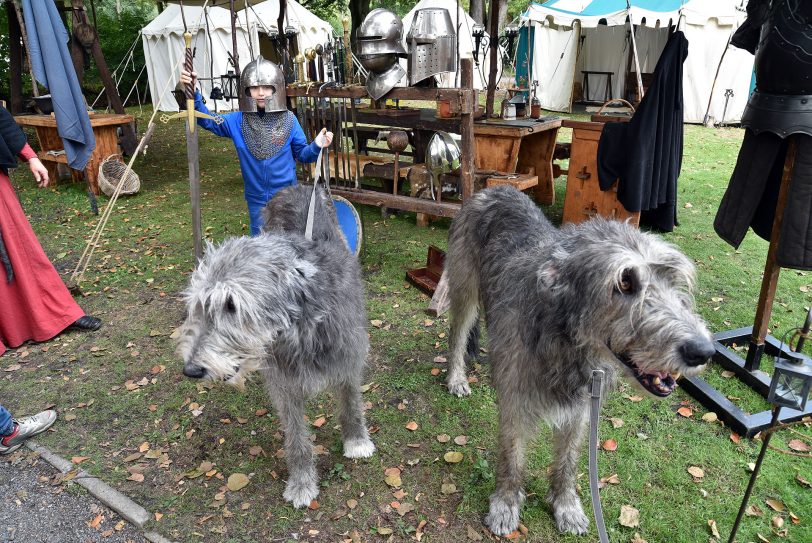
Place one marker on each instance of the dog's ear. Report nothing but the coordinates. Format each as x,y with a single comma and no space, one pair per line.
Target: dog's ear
549,272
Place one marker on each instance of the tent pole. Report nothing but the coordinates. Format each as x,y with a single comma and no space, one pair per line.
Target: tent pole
576,31
634,49
34,87
493,15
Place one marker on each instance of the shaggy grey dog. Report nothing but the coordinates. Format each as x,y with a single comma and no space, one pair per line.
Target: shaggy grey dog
293,310
558,304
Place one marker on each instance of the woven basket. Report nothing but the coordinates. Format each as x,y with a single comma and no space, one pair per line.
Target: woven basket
111,171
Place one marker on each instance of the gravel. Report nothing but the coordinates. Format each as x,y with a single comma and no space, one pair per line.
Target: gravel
35,510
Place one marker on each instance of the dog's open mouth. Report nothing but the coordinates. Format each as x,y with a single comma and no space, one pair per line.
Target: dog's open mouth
659,383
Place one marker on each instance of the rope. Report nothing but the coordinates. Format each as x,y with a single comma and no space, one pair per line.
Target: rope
93,242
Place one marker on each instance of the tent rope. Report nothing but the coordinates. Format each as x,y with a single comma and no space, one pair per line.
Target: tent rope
93,242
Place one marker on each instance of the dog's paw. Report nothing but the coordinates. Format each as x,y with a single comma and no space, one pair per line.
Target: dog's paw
502,518
571,519
359,448
299,493
459,387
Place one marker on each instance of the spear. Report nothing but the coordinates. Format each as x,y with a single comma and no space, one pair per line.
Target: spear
192,147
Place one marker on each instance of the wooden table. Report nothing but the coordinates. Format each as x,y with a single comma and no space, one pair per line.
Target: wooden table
104,129
522,146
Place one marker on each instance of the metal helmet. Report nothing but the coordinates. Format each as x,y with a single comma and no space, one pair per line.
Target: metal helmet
432,44
262,72
442,156
380,34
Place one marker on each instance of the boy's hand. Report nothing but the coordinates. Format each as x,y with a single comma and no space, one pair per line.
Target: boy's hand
324,139
186,77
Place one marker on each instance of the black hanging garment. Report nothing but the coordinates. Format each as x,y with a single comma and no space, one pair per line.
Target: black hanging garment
780,34
645,154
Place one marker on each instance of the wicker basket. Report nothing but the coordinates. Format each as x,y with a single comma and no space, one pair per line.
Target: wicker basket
111,170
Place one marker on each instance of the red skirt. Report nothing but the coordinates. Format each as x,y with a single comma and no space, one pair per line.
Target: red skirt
36,305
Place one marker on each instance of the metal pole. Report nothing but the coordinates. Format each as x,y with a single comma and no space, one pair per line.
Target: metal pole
764,444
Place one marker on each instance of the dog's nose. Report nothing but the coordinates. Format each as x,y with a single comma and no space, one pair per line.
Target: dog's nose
190,369
696,352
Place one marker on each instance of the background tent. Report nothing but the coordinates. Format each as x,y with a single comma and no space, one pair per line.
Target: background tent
212,42
311,30
465,43
571,36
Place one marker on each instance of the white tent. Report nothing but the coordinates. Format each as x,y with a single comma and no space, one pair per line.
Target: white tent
465,43
573,36
311,30
211,41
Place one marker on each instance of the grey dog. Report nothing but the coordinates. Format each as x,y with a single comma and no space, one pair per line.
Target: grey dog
293,310
559,303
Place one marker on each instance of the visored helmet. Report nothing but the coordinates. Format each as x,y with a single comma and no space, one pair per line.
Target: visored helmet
380,34
432,44
262,72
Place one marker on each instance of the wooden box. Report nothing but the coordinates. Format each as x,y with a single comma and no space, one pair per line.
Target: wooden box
426,279
522,181
584,199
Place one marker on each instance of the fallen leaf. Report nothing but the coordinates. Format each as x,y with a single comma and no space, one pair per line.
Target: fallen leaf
453,457
96,521
443,438
236,481
727,374
629,516
710,417
313,505
352,503
377,323
69,417
777,522
79,459
261,412
609,445
319,422
794,518
638,539
256,450
798,446
616,423
802,481
735,438
776,505
472,534
762,538
753,511
405,508
158,516
713,529
435,371
635,398
393,480
685,412
412,426
611,479
461,440
696,472
448,488
440,360
137,477
384,531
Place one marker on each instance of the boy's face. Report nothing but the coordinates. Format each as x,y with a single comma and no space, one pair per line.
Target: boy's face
260,93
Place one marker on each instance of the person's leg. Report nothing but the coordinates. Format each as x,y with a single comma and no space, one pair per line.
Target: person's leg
6,423
255,216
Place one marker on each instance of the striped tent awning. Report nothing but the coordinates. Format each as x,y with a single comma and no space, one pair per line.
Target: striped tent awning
590,13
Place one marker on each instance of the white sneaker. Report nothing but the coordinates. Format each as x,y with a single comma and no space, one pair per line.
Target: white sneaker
25,428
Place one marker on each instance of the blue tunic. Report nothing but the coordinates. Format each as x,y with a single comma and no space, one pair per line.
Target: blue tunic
262,178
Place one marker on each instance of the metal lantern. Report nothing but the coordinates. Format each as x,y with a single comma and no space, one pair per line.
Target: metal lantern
511,32
230,85
792,380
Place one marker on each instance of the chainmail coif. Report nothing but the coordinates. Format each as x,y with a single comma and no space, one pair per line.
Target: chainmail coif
265,134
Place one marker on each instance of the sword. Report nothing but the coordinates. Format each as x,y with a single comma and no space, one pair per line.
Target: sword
192,147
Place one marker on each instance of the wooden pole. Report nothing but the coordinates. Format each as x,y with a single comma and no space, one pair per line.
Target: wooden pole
493,15
634,50
769,281
21,20
16,61
468,149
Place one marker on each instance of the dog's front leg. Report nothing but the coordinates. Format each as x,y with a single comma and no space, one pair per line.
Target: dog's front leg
507,499
302,487
567,510
351,417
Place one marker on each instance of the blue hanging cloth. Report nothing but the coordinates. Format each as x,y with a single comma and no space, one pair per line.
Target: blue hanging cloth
52,66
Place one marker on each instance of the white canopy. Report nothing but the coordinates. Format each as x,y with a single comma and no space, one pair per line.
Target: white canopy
164,49
465,43
559,27
311,29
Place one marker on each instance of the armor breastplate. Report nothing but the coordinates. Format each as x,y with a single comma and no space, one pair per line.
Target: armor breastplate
784,54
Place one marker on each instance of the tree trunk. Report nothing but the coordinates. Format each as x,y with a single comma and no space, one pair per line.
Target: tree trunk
359,9
477,11
15,40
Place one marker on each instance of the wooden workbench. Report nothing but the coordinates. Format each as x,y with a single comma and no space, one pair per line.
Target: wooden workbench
104,130
519,146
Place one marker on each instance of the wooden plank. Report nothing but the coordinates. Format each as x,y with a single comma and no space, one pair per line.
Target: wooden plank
405,203
98,119
465,97
467,131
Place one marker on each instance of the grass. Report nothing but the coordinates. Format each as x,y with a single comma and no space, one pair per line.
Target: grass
134,281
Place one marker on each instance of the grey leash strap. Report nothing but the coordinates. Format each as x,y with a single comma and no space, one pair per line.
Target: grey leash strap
311,211
594,414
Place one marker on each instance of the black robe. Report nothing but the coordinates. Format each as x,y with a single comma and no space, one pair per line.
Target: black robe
645,154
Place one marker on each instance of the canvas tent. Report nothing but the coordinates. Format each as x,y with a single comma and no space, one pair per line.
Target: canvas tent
465,42
211,41
572,36
311,29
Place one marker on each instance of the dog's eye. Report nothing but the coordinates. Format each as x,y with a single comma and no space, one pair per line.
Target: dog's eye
628,282
230,307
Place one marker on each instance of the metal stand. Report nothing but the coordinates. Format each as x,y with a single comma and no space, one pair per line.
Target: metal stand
760,343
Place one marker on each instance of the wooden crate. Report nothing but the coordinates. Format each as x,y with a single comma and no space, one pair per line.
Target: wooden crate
426,279
584,199
522,181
